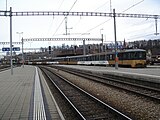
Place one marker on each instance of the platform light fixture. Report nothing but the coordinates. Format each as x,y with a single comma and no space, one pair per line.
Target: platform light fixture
21,33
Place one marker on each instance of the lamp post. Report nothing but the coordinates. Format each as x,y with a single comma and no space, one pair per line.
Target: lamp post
22,53
84,46
21,33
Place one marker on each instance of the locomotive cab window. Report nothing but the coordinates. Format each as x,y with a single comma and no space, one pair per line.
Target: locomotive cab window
111,57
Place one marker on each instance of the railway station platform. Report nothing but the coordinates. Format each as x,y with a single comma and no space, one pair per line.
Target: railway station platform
26,96
151,73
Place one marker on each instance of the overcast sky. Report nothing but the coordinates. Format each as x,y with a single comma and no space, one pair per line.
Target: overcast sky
129,29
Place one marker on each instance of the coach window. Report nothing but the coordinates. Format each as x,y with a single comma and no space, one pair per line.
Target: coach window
124,56
132,55
82,59
110,57
128,56
113,57
120,56
144,55
101,57
93,58
107,57
136,55
88,58
72,59
141,55
96,57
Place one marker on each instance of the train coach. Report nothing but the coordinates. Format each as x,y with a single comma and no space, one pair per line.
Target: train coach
130,58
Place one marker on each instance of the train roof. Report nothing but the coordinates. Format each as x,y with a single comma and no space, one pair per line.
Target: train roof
111,52
134,50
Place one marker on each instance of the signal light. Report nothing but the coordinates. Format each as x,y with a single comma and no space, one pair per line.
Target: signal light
49,49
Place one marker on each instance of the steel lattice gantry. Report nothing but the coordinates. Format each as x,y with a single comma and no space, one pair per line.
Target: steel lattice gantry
65,13
65,39
5,43
62,39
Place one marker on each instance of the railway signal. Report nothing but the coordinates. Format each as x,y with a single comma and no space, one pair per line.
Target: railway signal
49,49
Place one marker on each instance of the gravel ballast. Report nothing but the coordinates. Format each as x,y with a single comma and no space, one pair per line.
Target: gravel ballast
134,106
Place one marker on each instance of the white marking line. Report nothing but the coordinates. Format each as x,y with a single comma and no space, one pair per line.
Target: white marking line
58,109
39,111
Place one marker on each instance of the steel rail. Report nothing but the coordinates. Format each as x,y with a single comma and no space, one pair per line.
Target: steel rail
64,95
104,81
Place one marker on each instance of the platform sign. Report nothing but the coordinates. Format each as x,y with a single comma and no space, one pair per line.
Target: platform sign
6,49
13,49
16,48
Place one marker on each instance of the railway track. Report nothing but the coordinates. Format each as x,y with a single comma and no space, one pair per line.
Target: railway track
3,68
118,82
87,107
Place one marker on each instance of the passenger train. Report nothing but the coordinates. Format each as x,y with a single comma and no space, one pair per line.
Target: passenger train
130,58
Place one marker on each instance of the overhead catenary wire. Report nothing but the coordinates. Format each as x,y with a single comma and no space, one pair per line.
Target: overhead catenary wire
98,24
111,18
64,18
102,5
145,30
142,22
53,17
59,26
133,5
140,36
105,20
60,4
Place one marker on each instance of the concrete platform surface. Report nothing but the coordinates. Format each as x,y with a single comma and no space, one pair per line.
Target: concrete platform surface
151,73
21,96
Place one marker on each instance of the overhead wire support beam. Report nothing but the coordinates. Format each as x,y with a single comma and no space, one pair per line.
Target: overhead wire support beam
5,43
137,15
66,13
62,39
32,13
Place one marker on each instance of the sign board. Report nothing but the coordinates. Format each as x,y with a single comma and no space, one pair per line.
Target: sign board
6,49
13,49
16,48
